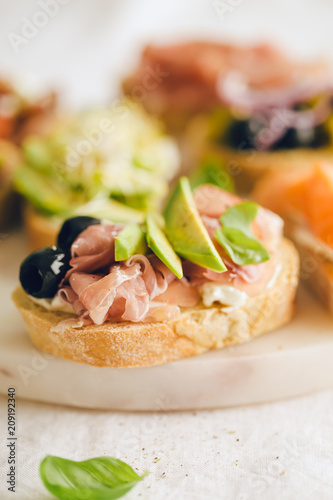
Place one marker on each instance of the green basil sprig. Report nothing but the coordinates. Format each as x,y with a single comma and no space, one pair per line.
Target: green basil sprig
236,236
99,478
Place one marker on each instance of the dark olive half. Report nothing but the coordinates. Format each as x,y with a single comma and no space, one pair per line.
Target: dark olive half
243,134
42,271
71,229
316,137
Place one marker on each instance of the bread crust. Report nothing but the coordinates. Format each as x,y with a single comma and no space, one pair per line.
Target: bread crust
244,166
247,167
41,231
198,329
316,270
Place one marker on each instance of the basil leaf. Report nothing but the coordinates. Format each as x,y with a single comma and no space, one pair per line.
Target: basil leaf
241,249
236,236
211,171
240,217
99,478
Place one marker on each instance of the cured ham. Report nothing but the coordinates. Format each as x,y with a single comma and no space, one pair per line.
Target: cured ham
93,249
198,76
251,279
124,291
211,202
180,293
157,276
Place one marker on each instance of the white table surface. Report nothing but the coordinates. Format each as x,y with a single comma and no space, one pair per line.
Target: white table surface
272,451
221,454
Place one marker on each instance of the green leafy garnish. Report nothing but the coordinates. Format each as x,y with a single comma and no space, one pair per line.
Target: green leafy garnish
236,235
99,478
212,171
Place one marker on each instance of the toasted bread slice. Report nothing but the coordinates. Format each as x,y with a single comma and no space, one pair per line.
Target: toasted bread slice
316,258
245,167
142,344
42,231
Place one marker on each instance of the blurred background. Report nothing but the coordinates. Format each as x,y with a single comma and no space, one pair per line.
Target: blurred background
84,47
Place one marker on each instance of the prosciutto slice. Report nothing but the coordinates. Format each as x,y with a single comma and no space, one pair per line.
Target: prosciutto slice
251,279
180,293
127,291
198,76
93,249
157,276
211,202
67,295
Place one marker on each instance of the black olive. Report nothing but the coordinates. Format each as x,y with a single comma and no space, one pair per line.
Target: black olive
316,137
71,229
243,135
42,271
239,135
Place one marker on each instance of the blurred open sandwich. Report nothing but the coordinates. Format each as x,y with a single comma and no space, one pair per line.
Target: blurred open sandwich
305,200
252,105
113,162
20,116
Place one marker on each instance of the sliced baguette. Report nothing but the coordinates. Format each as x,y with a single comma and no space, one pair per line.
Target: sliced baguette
41,231
247,166
316,264
142,344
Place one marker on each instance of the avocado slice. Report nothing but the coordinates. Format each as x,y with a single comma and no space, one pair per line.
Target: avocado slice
111,210
161,247
37,154
39,191
186,231
130,241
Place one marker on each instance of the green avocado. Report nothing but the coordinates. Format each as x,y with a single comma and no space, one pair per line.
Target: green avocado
186,231
161,247
37,152
40,192
106,208
130,241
